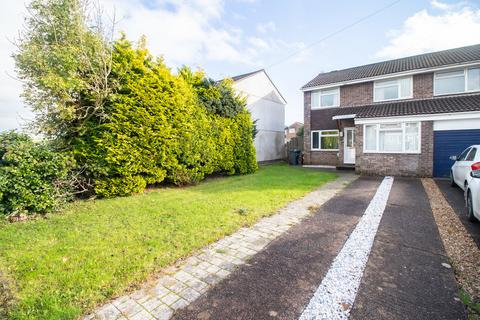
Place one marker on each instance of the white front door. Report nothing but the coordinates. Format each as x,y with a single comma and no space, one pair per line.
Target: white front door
349,145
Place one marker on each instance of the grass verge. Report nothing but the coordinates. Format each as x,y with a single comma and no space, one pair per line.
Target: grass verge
63,266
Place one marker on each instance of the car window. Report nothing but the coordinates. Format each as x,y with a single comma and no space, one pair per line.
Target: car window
471,155
462,156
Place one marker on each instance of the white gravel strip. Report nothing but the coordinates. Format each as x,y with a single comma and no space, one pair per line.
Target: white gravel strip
336,294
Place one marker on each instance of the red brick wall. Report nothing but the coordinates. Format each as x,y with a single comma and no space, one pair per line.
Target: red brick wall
356,94
326,158
316,157
423,86
362,93
306,126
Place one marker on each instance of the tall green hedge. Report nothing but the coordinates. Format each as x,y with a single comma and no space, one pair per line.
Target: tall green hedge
164,127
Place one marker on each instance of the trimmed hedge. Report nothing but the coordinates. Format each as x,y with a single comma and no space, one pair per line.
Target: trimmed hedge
164,127
33,178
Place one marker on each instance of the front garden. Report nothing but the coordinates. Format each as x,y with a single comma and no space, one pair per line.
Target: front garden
62,266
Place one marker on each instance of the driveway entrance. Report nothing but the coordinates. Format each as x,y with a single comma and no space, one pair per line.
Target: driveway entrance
407,275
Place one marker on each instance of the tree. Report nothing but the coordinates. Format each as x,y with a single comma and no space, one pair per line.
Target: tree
64,61
300,132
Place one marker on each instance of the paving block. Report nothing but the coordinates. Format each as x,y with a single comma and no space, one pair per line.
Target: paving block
163,312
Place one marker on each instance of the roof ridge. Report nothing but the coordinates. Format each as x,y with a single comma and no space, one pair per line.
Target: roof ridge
403,58
420,61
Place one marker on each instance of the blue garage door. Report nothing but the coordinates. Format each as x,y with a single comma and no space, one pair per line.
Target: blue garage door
449,143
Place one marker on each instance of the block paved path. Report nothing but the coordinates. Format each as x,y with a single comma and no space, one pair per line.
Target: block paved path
403,279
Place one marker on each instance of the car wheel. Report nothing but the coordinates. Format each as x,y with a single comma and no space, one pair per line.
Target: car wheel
470,215
452,181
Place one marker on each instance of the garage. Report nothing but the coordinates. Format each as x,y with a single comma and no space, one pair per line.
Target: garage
450,142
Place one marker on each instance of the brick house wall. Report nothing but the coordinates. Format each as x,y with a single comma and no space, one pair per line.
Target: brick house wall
362,94
423,86
306,127
396,164
321,119
356,94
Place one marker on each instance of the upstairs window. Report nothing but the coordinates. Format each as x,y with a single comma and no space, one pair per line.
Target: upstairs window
326,98
395,89
458,81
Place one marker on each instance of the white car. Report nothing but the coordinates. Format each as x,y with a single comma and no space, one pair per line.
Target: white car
466,162
472,195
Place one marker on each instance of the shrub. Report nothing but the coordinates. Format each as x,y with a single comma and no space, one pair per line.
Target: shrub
164,127
33,178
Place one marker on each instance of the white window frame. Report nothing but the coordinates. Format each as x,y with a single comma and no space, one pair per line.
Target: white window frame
320,135
337,92
465,85
378,84
377,138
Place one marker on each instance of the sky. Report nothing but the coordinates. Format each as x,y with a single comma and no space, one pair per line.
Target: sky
292,40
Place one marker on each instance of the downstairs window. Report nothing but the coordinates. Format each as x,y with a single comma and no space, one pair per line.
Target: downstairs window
401,137
324,140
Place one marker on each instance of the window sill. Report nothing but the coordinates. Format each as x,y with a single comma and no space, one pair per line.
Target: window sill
321,108
336,150
391,152
454,93
390,100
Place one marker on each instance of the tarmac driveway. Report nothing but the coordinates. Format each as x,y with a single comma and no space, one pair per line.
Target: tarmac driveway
455,198
371,252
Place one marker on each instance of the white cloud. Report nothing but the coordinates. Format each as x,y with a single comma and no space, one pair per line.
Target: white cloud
440,5
182,32
426,32
185,32
258,43
194,32
266,27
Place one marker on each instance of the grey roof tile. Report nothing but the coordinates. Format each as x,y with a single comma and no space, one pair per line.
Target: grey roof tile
427,60
462,103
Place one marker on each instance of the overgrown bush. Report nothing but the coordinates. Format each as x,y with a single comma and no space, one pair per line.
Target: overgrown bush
33,178
125,117
161,126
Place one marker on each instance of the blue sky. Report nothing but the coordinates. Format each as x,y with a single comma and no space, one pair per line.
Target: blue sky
226,38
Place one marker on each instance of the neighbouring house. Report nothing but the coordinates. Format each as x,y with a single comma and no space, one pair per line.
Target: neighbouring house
292,130
267,107
398,117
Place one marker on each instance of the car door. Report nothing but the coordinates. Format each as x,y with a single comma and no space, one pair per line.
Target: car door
459,168
467,163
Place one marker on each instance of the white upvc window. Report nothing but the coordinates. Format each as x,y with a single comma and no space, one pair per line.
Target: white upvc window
326,98
324,140
396,137
457,81
393,89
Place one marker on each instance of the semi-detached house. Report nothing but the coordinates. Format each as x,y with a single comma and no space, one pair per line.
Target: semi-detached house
398,117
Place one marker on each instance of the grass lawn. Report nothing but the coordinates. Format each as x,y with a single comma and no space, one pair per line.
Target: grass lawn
63,266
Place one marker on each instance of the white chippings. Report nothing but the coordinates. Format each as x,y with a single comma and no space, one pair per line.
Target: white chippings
336,294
